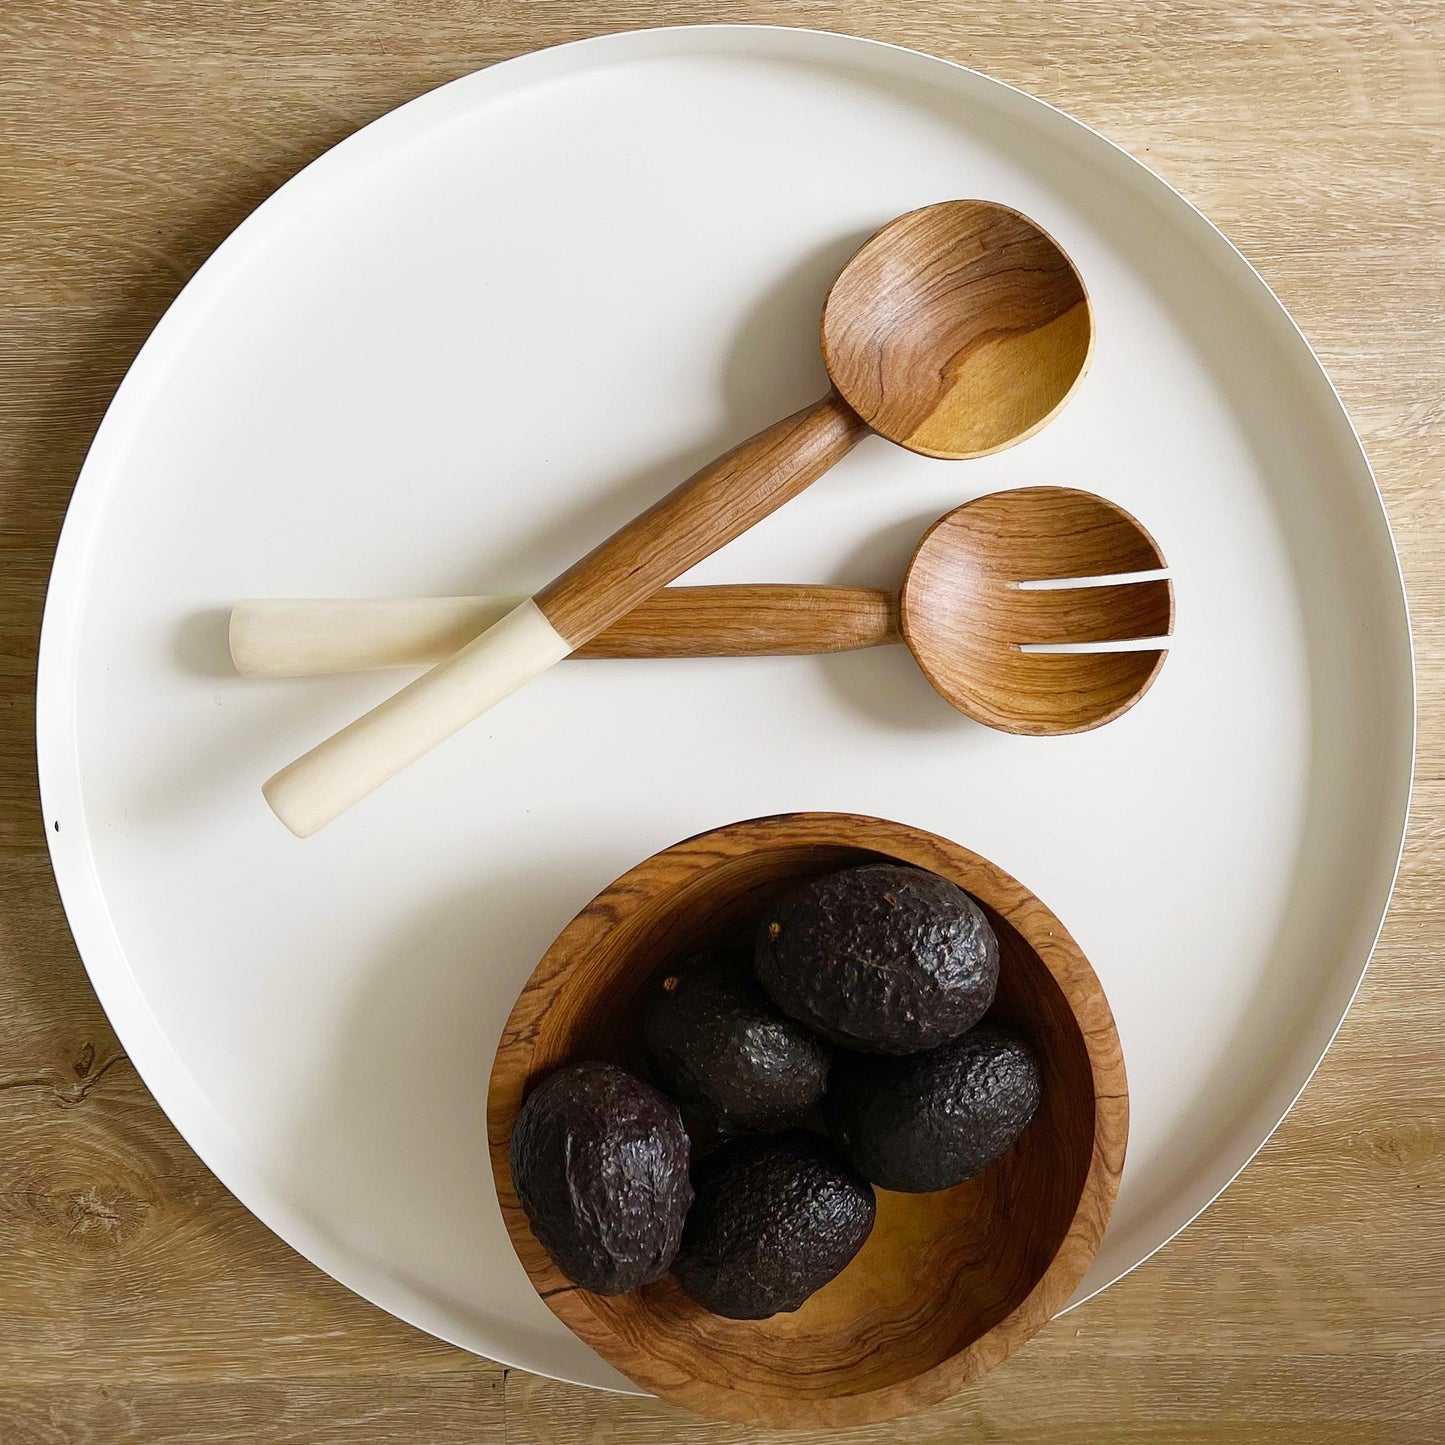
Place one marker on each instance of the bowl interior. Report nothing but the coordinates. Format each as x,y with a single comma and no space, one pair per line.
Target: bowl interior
941,1271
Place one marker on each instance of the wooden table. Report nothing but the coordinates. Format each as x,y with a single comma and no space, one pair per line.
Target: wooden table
139,1301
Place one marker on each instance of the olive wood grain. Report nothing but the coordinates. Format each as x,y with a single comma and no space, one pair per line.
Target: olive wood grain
305,638
956,330
967,613
948,1284
692,521
963,359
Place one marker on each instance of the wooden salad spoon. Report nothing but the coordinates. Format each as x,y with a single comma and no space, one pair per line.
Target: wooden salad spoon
961,611
955,331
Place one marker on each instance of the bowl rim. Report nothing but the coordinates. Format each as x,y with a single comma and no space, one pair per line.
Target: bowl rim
513,1065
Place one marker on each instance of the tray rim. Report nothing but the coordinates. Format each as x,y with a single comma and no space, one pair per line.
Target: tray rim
58,774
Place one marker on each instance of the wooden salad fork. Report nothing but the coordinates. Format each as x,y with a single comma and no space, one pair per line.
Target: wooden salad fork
969,605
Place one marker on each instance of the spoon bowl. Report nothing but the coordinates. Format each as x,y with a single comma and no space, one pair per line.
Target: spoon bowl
958,329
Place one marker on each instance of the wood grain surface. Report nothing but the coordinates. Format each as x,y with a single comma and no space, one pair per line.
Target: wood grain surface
698,516
958,330
966,619
140,1302
951,1282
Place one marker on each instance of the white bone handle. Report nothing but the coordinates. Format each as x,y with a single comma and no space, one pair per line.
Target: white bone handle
324,783
308,638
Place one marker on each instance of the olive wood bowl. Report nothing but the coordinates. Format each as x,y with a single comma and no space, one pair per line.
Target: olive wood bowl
949,1284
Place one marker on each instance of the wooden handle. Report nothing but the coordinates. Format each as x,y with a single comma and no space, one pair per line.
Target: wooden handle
720,502
692,521
310,638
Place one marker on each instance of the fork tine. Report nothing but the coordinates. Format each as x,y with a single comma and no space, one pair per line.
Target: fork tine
1114,612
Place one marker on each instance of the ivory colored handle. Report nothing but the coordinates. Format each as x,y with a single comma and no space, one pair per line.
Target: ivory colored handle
309,638
322,784
708,510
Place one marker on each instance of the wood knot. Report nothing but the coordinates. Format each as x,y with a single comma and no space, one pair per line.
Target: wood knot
105,1221
98,1217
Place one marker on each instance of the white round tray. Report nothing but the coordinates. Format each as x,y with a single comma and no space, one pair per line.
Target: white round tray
454,353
